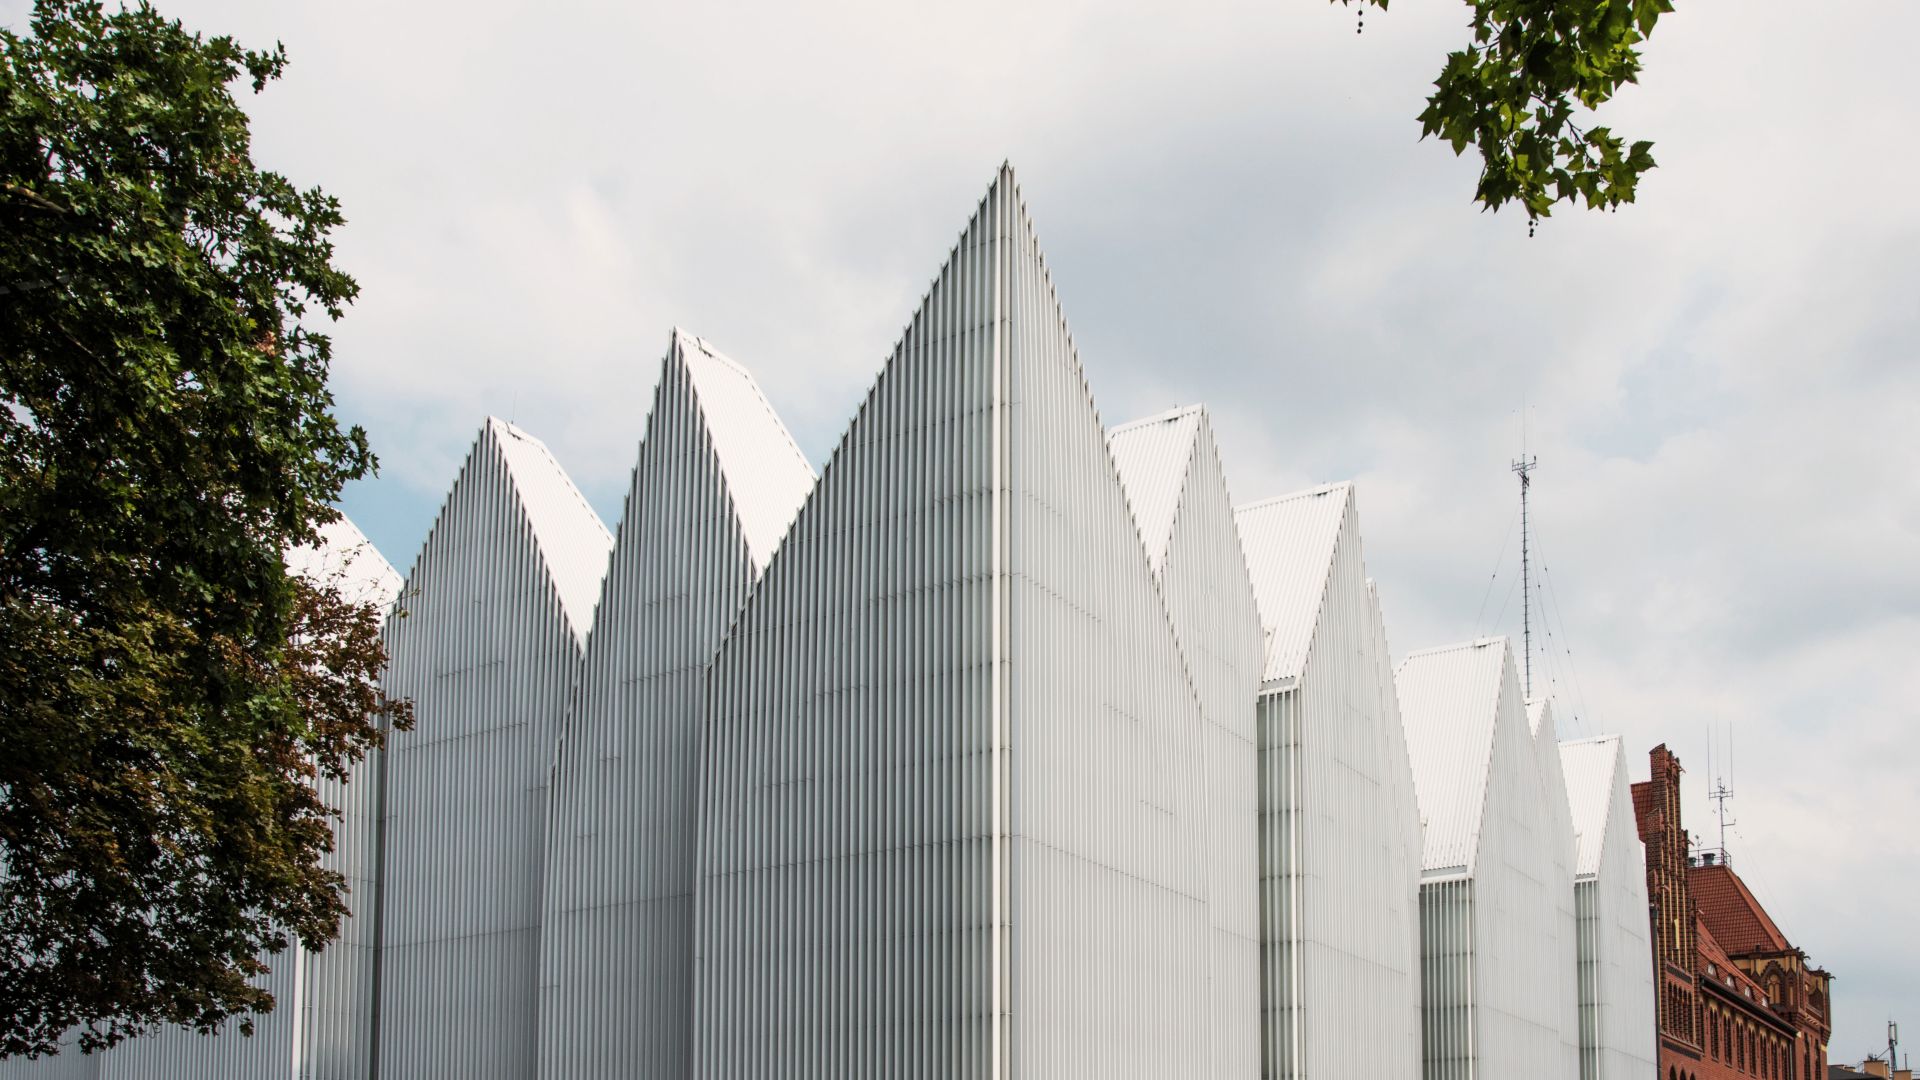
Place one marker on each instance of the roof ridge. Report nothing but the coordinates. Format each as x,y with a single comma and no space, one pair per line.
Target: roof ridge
747,440
1458,646
578,597
1175,413
1275,500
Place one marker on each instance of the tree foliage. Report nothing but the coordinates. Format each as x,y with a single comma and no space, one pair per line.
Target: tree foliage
169,692
1515,91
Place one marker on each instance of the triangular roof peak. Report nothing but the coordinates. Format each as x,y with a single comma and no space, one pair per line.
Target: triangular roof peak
1450,702
1591,767
1539,711
1154,456
344,558
573,541
767,476
1290,543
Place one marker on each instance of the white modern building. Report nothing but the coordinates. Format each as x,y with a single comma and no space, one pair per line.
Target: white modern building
1493,985
717,481
954,816
498,608
1617,1023
1004,748
1557,820
1340,854
1171,470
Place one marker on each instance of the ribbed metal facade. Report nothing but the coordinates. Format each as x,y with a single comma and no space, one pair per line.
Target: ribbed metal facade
497,605
717,481
1492,980
1557,822
1008,749
1339,836
68,1064
953,821
1617,1022
1170,467
177,1053
334,1008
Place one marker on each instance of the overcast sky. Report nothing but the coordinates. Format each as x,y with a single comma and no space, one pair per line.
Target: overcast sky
1720,382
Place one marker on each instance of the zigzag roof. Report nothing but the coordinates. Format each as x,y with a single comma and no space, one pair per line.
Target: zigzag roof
1450,702
1290,543
346,559
573,541
1153,456
767,476
1590,766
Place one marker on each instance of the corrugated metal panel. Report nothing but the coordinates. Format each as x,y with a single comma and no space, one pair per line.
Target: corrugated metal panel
68,1064
1171,465
333,1039
767,477
489,652
347,560
1340,854
1557,823
1397,789
573,541
1449,701
178,1053
1589,766
1152,455
714,477
1515,983
335,1007
953,823
1617,1021
1290,542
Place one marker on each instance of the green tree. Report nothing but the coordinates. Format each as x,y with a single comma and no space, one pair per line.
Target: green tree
1515,91
169,693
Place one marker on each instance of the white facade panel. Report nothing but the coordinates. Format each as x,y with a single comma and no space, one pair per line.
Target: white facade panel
1170,468
1557,821
334,1009
488,652
1339,853
1301,530
1492,976
717,480
953,821
68,1064
1154,456
1617,1018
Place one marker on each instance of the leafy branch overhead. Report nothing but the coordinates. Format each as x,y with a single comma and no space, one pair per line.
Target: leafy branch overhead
1514,92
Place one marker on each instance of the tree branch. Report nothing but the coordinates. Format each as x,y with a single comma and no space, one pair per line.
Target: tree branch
35,198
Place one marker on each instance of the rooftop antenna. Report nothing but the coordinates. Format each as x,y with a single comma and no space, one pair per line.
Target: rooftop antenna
1525,466
1720,793
1893,1044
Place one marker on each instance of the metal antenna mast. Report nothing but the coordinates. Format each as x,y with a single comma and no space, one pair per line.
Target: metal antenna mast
1720,793
1525,467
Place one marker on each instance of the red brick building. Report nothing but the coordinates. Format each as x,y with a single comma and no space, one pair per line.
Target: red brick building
1736,999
